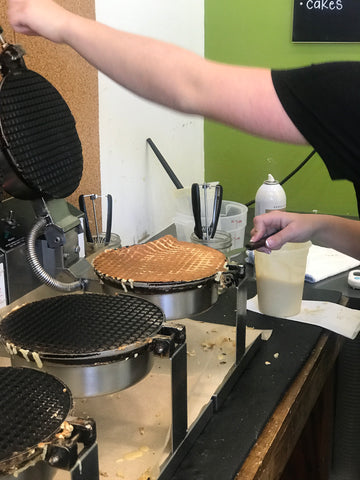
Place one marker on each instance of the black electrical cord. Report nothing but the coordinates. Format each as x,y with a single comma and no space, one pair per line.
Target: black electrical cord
291,174
357,193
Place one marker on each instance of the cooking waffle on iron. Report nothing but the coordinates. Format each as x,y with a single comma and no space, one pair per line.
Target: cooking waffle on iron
164,260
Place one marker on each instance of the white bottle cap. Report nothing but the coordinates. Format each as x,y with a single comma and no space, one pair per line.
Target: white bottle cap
271,180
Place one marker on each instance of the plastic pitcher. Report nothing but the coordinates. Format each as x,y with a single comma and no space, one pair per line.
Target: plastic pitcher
280,279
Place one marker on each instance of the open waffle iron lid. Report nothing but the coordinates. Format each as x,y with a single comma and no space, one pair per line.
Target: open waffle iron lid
33,407
166,263
41,153
84,329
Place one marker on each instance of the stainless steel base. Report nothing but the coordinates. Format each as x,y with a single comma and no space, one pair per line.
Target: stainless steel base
175,305
94,380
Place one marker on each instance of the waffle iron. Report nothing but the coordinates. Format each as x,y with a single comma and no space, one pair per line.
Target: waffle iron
35,426
40,154
41,161
96,343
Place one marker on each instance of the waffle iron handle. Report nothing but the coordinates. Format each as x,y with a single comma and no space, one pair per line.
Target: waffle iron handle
82,207
108,218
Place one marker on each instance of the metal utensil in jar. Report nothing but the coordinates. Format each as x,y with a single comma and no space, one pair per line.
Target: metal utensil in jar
99,237
201,209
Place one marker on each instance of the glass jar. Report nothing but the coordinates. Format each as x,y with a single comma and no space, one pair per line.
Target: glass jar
98,243
222,241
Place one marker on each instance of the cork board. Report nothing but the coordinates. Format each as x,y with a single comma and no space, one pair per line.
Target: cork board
77,82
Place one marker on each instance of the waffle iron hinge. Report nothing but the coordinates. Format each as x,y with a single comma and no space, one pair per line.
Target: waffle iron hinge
168,339
171,341
64,452
11,57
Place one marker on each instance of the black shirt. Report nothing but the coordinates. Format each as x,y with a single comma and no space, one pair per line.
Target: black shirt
323,101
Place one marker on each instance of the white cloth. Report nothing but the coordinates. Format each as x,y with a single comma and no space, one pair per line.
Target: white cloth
342,320
325,262
322,263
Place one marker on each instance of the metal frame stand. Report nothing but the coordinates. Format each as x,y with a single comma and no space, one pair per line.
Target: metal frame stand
87,466
171,341
183,438
179,407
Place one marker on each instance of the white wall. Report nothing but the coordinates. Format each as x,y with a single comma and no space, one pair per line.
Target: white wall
144,196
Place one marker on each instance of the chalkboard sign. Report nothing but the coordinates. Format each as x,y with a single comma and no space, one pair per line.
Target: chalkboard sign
326,21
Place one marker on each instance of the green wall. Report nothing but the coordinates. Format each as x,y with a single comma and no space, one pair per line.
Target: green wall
259,33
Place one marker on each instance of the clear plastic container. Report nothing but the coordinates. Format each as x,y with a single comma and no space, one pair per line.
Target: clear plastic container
233,219
222,241
280,278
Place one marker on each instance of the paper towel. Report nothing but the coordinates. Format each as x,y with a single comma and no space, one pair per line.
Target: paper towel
337,318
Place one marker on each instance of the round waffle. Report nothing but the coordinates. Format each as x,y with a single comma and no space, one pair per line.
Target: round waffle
162,261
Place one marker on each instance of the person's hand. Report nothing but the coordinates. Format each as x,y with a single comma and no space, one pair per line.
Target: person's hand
38,17
281,227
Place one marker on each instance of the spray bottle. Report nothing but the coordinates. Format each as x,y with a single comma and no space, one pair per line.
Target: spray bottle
270,196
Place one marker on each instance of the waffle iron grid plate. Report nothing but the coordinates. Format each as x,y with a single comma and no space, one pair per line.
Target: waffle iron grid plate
38,132
33,405
83,328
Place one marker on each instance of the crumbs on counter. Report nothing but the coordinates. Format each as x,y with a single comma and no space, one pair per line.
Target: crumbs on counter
134,454
208,346
222,358
146,475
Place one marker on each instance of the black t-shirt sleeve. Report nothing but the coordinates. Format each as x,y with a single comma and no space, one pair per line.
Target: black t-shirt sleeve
323,101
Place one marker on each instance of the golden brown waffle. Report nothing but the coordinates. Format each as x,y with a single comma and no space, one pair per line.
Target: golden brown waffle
163,260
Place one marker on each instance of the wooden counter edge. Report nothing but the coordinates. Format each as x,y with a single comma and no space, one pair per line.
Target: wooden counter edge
269,455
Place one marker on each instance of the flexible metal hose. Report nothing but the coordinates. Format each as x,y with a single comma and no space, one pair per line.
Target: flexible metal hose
38,269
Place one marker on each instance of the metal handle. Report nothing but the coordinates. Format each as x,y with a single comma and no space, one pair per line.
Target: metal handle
82,207
166,166
108,219
216,210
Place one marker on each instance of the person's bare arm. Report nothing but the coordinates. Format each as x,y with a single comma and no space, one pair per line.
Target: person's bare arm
242,97
340,233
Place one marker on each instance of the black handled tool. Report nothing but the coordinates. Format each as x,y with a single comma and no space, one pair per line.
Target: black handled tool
108,218
255,245
164,163
98,238
216,210
82,207
196,207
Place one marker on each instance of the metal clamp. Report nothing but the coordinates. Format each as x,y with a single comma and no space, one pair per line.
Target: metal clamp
63,453
11,57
